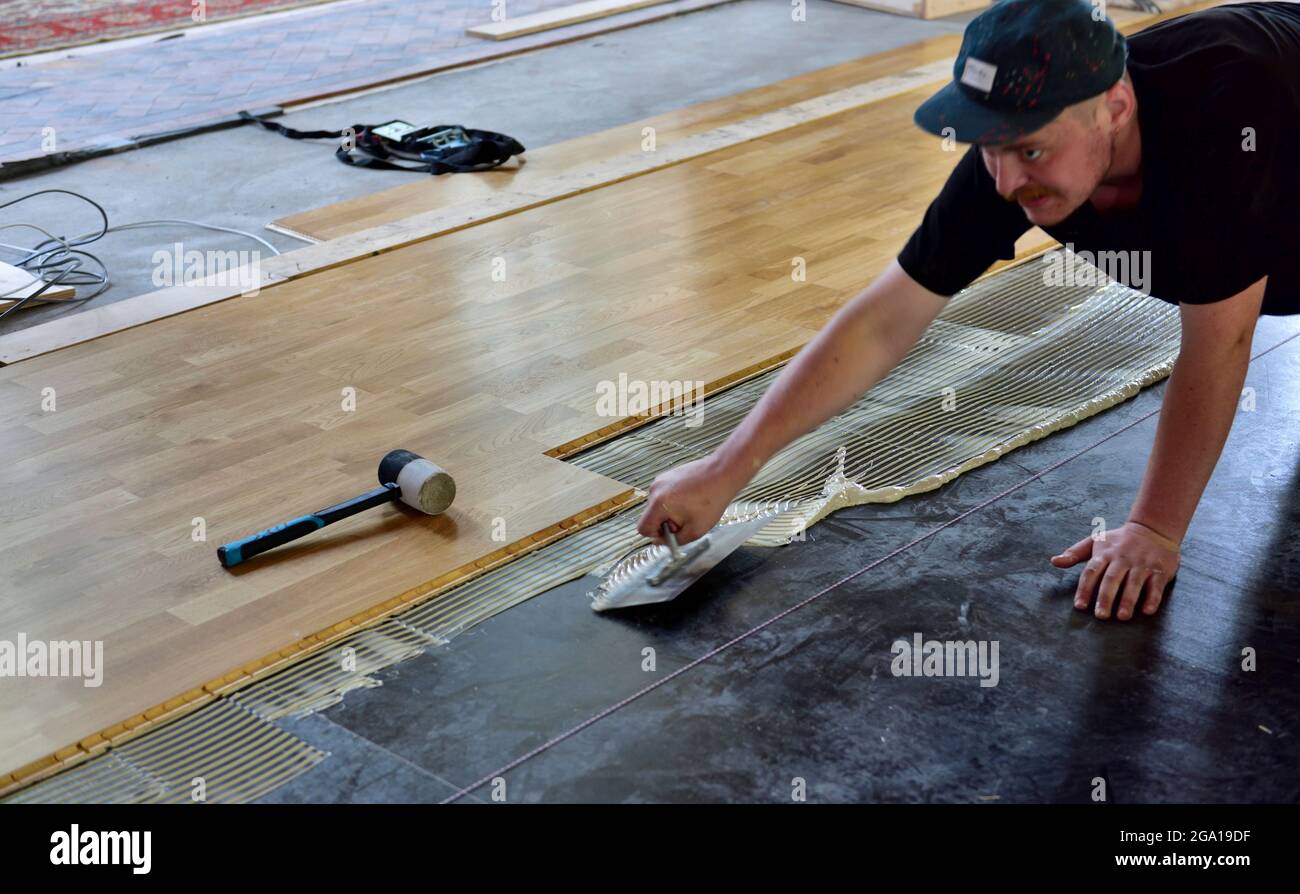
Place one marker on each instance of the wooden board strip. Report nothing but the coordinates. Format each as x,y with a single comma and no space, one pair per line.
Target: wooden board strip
99,320
919,9
518,26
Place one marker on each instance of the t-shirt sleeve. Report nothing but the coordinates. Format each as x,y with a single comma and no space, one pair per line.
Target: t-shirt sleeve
1223,229
965,230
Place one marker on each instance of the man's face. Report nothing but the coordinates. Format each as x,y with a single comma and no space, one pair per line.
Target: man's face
1054,170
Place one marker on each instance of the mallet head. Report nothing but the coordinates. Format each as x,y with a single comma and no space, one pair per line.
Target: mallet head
423,485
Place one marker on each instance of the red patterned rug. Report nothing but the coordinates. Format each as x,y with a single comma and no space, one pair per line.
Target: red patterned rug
29,26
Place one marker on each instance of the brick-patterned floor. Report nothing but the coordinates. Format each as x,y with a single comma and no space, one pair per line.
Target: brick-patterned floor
113,97
33,25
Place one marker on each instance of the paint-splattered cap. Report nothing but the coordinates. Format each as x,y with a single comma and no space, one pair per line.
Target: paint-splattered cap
1021,63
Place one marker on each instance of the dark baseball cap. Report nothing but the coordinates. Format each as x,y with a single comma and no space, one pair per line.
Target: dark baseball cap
1021,63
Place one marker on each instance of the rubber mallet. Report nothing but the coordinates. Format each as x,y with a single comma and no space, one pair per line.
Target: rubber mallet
403,476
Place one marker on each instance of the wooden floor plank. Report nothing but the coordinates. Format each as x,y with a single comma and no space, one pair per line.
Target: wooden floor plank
920,9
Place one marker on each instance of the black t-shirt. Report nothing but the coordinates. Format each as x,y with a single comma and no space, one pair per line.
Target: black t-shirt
1214,217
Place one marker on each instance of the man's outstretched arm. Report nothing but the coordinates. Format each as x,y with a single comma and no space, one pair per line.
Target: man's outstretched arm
1198,410
865,339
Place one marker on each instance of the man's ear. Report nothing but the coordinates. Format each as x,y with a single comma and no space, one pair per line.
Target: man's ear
1120,102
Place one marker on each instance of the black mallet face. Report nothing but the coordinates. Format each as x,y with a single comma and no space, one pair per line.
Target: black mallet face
423,485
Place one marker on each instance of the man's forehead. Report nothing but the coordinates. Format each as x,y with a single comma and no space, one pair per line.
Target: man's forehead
1043,135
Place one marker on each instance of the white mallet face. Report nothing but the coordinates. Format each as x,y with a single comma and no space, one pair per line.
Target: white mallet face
423,485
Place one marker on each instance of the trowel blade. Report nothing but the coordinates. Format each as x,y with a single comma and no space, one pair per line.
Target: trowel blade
636,588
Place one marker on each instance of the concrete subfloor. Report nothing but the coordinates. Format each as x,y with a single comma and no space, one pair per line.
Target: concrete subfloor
1159,707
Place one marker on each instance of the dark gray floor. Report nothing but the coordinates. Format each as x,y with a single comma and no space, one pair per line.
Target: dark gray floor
1157,707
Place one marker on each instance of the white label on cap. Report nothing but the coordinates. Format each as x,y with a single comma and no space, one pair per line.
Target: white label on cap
978,74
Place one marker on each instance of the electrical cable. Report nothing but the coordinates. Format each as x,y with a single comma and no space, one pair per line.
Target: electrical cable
57,260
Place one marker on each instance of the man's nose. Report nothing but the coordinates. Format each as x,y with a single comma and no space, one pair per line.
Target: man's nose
1008,177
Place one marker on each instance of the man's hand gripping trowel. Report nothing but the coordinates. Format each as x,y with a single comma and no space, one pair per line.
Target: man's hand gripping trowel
658,573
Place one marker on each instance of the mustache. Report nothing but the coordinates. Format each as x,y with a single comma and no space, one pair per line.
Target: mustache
1029,193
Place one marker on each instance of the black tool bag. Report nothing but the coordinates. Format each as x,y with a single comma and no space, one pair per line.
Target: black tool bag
440,149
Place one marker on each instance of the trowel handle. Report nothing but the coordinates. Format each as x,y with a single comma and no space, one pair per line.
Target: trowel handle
672,540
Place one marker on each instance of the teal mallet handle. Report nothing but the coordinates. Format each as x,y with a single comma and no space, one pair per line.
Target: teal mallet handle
237,551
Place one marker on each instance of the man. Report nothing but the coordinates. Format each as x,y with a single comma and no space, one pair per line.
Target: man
1176,145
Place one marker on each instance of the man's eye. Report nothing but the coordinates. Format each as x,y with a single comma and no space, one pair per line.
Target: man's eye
1032,154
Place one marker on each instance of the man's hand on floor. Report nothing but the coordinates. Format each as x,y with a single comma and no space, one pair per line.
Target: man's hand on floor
1125,563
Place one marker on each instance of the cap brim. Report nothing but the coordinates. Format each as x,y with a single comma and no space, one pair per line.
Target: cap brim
974,122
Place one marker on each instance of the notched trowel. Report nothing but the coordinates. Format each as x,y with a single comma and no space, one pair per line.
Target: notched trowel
658,573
